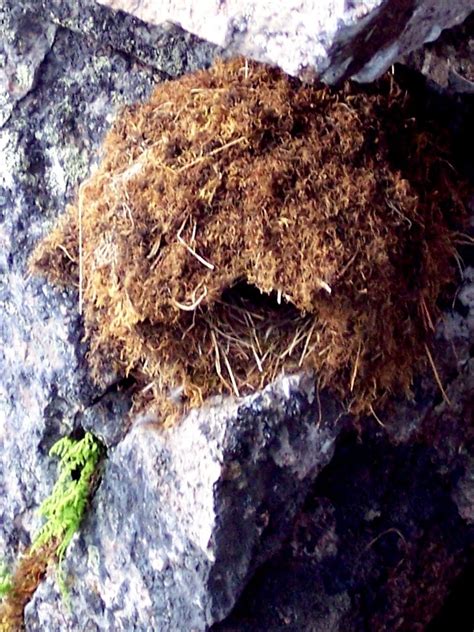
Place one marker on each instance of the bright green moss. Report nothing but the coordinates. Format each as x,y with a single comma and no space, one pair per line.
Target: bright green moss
5,581
65,507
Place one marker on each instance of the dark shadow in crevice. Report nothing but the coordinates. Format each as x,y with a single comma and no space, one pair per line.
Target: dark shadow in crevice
457,612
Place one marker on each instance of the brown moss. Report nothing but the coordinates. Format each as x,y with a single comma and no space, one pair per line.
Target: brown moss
28,574
241,223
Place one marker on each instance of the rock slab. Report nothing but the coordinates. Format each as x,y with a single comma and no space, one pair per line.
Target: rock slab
329,39
184,516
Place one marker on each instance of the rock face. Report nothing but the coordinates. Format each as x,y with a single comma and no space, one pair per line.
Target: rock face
449,61
183,518
327,39
59,91
387,525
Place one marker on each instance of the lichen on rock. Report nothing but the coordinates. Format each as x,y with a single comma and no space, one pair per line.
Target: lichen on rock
242,223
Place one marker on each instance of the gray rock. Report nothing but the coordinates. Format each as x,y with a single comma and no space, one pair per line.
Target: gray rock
449,61
378,524
460,333
463,494
50,129
21,53
327,39
184,516
392,512
165,48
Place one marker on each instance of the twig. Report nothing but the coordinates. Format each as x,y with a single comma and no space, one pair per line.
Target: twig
216,351
322,284
391,530
66,252
192,306
306,344
342,272
436,376
154,249
297,338
394,208
356,366
204,262
377,419
231,375
188,247
212,153
257,360
427,314
218,362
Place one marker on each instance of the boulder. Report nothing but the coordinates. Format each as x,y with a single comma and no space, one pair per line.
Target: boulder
59,91
325,39
184,515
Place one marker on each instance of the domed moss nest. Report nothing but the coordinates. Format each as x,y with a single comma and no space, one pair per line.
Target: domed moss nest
242,223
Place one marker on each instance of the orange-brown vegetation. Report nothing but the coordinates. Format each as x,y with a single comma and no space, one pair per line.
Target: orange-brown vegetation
241,223
28,574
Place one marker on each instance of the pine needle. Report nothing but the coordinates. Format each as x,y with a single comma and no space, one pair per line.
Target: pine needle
436,376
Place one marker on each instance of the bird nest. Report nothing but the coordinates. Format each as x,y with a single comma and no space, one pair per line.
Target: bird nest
241,224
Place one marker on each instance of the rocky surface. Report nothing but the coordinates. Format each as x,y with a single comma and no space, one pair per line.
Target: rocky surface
183,518
387,527
449,61
59,92
327,39
167,48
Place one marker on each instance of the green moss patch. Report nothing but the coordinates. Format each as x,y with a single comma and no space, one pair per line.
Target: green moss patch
63,511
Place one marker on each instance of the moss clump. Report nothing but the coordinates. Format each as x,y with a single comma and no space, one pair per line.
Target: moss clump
63,510
241,223
26,577
65,507
5,581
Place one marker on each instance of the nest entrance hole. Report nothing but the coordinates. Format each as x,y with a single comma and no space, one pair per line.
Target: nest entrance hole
245,295
254,334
